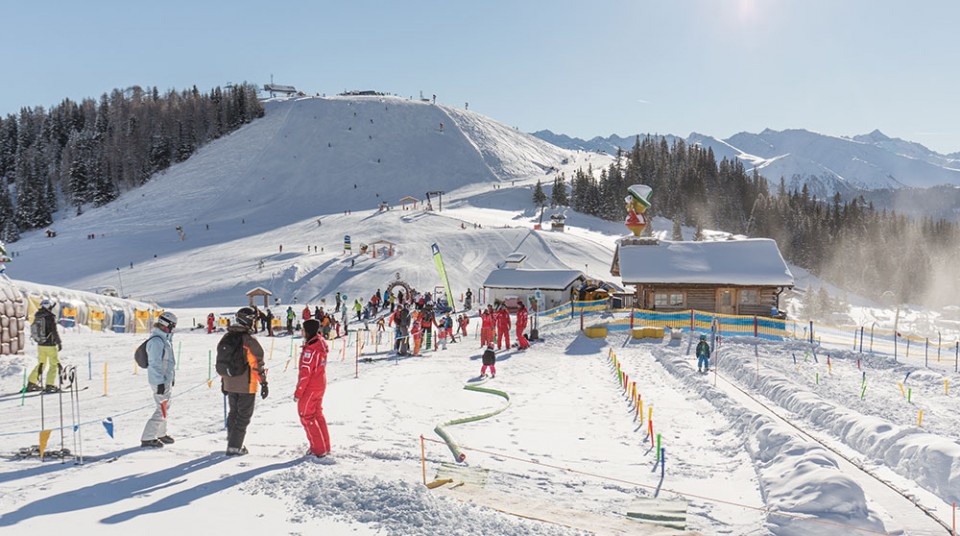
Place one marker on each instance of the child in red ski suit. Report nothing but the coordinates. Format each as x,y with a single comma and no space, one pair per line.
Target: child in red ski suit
311,384
487,326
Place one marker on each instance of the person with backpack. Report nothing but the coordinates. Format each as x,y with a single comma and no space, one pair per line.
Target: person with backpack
161,375
43,331
703,355
240,366
311,384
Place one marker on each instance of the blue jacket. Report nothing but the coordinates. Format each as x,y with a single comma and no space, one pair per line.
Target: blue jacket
703,349
162,363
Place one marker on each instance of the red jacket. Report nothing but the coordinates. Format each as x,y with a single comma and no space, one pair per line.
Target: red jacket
503,318
522,319
306,313
486,320
313,367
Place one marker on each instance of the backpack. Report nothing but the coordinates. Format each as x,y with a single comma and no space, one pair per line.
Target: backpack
231,356
38,329
140,355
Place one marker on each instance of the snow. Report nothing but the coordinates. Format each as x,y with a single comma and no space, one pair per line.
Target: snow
765,446
716,262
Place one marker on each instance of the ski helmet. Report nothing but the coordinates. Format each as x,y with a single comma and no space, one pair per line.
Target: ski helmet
46,304
703,337
167,321
246,316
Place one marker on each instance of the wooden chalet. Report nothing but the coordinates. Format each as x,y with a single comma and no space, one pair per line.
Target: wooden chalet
736,277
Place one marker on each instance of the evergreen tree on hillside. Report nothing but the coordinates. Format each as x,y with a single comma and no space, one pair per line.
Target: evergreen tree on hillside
698,235
558,196
539,198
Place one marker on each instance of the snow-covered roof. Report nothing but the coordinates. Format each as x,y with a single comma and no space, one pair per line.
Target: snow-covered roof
755,261
259,291
532,279
515,257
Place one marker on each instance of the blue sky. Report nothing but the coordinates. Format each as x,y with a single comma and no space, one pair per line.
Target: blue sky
841,67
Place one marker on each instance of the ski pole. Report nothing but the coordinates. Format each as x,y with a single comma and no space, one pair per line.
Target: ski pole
60,374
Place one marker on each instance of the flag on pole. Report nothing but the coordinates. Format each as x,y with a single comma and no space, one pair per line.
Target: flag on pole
44,437
438,260
108,425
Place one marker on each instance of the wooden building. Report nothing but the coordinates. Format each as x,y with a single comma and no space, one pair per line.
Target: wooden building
737,277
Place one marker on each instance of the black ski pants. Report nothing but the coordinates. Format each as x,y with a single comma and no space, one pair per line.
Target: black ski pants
241,411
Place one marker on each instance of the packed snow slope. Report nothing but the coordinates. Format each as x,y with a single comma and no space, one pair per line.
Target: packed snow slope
308,173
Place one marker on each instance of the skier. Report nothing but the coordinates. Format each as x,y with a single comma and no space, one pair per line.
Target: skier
703,355
44,332
502,317
241,391
161,375
522,342
487,325
210,320
311,384
290,316
357,307
426,326
306,313
337,309
269,322
489,360
463,321
468,299
416,330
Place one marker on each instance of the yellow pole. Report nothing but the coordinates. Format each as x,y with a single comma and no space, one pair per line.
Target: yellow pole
901,389
650,413
271,347
946,386
920,419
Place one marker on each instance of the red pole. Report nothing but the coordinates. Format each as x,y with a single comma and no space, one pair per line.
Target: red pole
650,427
631,319
691,319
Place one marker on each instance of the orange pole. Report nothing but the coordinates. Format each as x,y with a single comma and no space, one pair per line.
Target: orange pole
423,459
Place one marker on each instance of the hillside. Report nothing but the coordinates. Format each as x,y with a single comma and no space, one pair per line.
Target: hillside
265,186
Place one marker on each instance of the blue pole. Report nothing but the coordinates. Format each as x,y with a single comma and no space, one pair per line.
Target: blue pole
663,460
861,339
811,332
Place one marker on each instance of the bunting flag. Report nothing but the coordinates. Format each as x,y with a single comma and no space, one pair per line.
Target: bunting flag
163,409
438,260
44,437
108,425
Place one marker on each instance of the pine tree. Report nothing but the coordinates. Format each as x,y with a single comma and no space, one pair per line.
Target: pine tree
558,197
698,235
539,198
677,230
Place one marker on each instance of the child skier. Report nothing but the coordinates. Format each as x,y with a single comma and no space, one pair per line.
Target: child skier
703,355
489,360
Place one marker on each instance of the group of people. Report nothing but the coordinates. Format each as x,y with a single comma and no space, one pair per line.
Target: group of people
495,326
240,387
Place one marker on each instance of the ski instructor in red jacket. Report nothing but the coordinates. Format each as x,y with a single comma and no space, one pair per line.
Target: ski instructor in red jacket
311,385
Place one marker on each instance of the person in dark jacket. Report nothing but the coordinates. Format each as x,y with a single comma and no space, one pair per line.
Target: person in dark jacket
311,384
48,347
703,355
489,360
241,391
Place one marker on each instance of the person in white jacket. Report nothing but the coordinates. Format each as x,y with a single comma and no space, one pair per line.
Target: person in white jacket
161,372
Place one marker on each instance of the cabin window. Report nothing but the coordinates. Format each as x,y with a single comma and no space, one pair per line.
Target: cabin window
668,299
749,296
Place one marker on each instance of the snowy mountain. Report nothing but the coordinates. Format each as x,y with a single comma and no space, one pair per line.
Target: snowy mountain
243,197
827,164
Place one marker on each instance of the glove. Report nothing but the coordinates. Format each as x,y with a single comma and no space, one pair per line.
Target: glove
161,389
264,391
